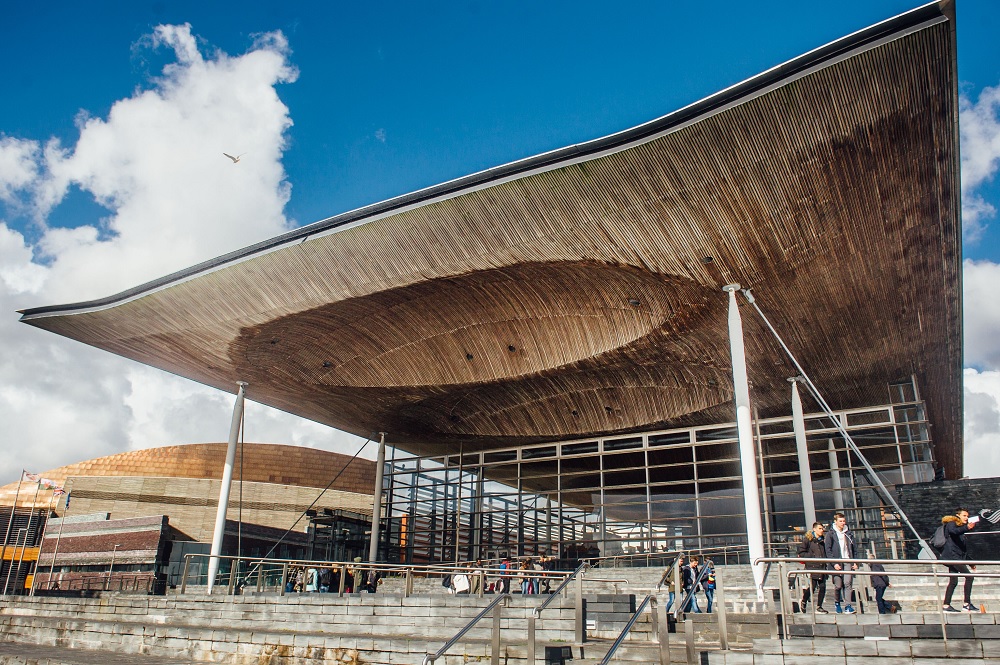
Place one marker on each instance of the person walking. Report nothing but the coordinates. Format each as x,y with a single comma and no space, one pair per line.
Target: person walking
709,585
839,544
955,549
689,575
670,575
813,547
880,583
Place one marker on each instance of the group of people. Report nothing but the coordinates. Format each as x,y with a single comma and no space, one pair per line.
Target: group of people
837,542
326,579
526,572
695,578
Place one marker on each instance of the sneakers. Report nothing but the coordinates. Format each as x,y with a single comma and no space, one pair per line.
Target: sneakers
949,608
849,609
969,607
836,606
820,610
804,606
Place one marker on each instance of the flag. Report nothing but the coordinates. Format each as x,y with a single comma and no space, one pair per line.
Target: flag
31,477
58,491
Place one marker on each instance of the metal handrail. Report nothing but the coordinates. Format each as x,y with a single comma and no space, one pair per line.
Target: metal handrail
668,571
702,574
579,569
430,658
628,626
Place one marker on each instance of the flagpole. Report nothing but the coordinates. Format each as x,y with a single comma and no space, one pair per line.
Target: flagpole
10,523
41,541
55,552
27,534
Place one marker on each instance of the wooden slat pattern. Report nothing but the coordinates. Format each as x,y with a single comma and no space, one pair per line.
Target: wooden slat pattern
833,196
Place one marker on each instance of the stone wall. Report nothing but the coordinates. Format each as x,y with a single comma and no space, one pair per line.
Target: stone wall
926,503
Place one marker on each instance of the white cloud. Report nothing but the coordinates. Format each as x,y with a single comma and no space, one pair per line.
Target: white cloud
982,314
980,142
155,162
982,423
18,166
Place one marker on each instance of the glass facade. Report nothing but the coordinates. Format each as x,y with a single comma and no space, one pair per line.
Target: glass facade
653,492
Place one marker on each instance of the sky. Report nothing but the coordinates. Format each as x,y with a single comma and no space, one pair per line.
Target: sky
115,116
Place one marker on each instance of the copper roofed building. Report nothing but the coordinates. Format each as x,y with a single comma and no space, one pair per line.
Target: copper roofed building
579,293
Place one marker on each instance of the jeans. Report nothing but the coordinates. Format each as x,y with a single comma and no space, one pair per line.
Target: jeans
818,590
953,583
710,597
880,600
692,605
670,602
843,586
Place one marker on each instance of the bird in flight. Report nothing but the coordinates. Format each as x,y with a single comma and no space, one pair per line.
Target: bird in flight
235,159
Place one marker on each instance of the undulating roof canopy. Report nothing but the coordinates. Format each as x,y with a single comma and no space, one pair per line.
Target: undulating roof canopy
579,292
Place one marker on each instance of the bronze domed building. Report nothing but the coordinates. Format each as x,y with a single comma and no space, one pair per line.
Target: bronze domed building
160,503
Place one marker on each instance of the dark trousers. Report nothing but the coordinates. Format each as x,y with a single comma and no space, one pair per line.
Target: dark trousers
953,584
880,600
818,588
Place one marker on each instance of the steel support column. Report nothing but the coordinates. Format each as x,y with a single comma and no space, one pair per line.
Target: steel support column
377,502
227,481
805,472
744,430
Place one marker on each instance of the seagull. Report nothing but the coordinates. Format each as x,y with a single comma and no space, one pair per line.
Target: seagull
235,159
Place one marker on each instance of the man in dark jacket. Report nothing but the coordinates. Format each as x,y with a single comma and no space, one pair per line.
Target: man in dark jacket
839,543
812,548
880,583
955,528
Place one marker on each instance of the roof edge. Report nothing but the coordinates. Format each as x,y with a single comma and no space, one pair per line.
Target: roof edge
828,54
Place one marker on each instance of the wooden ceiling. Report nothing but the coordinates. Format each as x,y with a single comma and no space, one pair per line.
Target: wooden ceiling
580,293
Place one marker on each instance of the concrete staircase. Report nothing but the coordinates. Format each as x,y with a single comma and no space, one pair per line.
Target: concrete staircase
387,628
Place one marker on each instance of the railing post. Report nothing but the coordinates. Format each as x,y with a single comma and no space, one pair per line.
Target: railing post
581,628
663,634
783,595
284,579
720,605
343,581
772,614
531,639
408,587
482,581
184,575
260,577
495,639
233,566
940,603
689,642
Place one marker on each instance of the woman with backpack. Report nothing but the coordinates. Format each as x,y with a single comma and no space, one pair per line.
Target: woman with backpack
955,549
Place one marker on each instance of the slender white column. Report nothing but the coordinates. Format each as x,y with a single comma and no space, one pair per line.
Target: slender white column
377,503
805,471
838,493
227,481
744,430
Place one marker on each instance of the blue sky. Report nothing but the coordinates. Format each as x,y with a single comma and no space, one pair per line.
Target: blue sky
372,100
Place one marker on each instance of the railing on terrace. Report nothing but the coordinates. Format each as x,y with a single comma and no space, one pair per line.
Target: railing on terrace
273,575
938,571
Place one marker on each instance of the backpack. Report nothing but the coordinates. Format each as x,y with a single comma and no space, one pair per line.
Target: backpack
939,539
446,581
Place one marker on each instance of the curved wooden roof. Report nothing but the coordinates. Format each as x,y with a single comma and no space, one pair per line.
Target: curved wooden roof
579,292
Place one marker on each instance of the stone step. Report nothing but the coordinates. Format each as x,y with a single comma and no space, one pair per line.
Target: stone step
849,652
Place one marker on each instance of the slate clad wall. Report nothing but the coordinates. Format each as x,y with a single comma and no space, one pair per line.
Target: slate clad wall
926,503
